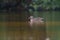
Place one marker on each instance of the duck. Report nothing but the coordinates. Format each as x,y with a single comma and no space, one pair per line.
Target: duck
35,20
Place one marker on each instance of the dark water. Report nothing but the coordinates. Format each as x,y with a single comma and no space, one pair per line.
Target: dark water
16,26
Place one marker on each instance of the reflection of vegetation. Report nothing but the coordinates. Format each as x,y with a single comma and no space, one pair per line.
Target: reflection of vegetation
50,3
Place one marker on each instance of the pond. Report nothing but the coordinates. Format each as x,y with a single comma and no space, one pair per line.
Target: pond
16,26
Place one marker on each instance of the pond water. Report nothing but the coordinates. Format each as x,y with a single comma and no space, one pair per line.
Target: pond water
16,26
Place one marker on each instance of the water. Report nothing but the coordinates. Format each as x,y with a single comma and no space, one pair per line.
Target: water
14,29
